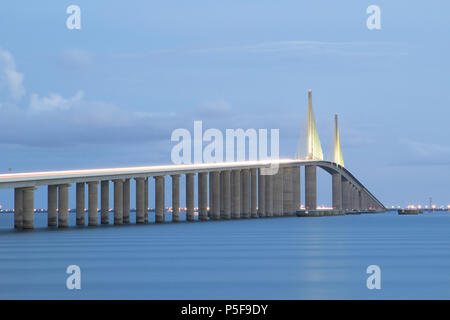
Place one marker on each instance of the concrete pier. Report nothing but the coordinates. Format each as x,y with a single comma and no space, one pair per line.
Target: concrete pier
80,204
345,194
357,200
215,195
92,203
18,208
226,195
364,200
352,197
296,188
118,202
175,198
63,206
261,195
349,196
202,195
245,193
336,181
140,201
310,187
104,202
210,195
268,179
146,200
126,201
236,194
221,194
288,192
277,189
159,199
52,212
190,196
28,207
254,193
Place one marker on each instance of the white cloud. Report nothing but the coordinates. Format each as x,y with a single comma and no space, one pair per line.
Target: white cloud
9,77
53,102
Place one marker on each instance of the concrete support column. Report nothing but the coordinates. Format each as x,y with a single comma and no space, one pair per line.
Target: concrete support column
268,179
254,191
159,199
311,187
362,198
80,205
360,195
140,200
18,208
236,194
28,207
202,181
356,199
52,212
118,202
63,205
345,195
336,181
190,196
278,193
221,195
296,188
175,198
261,194
210,195
93,203
364,201
371,204
245,193
226,195
126,201
216,195
104,202
146,200
351,197
288,191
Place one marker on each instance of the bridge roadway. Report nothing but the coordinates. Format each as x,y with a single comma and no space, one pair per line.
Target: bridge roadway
236,190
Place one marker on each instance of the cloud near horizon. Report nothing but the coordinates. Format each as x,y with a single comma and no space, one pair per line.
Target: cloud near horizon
11,81
56,121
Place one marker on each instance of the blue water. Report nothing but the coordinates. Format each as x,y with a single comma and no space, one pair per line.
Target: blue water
272,258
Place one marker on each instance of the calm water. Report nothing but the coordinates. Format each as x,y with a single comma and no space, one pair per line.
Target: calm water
276,258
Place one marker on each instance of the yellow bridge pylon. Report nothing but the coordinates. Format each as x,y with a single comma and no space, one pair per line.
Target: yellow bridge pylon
336,152
309,146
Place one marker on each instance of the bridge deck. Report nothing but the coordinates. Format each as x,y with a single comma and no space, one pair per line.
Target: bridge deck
33,179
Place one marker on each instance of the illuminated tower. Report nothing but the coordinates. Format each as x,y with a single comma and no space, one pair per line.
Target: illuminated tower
337,151
309,143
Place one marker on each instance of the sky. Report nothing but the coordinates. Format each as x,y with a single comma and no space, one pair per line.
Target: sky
111,93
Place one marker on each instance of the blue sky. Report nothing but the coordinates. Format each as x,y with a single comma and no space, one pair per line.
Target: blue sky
111,93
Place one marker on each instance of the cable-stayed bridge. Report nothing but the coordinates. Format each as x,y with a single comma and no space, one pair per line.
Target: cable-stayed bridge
229,190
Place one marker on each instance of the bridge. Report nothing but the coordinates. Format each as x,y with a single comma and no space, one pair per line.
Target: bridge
228,190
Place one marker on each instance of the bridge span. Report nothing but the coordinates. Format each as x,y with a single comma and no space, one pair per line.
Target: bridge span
230,190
